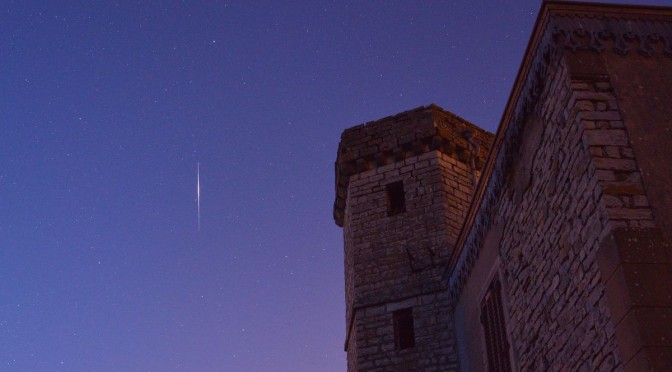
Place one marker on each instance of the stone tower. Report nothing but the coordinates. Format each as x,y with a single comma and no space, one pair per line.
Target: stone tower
403,187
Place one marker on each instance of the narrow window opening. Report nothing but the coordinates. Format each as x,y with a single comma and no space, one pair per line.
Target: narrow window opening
396,198
494,328
404,332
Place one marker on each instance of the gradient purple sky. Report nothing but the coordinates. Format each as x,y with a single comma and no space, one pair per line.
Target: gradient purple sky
107,108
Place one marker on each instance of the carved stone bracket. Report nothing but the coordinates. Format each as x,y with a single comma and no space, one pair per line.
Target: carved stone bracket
620,34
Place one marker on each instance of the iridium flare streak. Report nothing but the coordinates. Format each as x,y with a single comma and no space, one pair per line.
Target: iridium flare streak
198,193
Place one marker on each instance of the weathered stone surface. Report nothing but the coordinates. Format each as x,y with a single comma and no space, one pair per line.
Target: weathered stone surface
572,214
403,136
397,261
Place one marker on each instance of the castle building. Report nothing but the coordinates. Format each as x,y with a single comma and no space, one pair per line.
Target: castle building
543,247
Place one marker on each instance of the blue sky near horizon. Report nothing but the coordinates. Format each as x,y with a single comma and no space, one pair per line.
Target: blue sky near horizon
107,109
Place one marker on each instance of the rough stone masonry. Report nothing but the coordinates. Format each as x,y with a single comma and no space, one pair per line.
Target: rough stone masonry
545,247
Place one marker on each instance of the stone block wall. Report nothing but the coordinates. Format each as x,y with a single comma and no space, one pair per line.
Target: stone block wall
584,253
559,314
553,223
397,261
398,258
632,151
375,344
573,216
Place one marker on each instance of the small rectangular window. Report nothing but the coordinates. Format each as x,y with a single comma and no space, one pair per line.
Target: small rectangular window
396,199
494,328
404,332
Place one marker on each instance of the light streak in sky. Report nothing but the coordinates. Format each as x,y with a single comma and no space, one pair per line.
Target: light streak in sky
198,193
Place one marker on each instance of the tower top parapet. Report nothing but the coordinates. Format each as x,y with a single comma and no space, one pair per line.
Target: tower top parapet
395,138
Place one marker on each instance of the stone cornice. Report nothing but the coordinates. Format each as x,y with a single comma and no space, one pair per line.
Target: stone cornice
619,32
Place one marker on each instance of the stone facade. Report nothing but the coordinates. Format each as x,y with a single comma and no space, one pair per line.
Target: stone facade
397,261
572,214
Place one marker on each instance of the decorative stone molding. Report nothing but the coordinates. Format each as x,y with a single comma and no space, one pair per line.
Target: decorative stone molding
618,33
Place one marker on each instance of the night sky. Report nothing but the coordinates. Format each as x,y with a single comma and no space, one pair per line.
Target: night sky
106,111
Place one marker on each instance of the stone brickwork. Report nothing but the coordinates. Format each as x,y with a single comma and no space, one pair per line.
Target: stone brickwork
623,195
629,145
559,318
375,344
549,203
395,138
566,184
572,214
397,261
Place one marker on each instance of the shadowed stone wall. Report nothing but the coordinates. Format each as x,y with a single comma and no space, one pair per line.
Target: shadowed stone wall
578,183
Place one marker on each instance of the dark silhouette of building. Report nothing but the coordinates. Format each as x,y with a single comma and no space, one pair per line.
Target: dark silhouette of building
543,247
